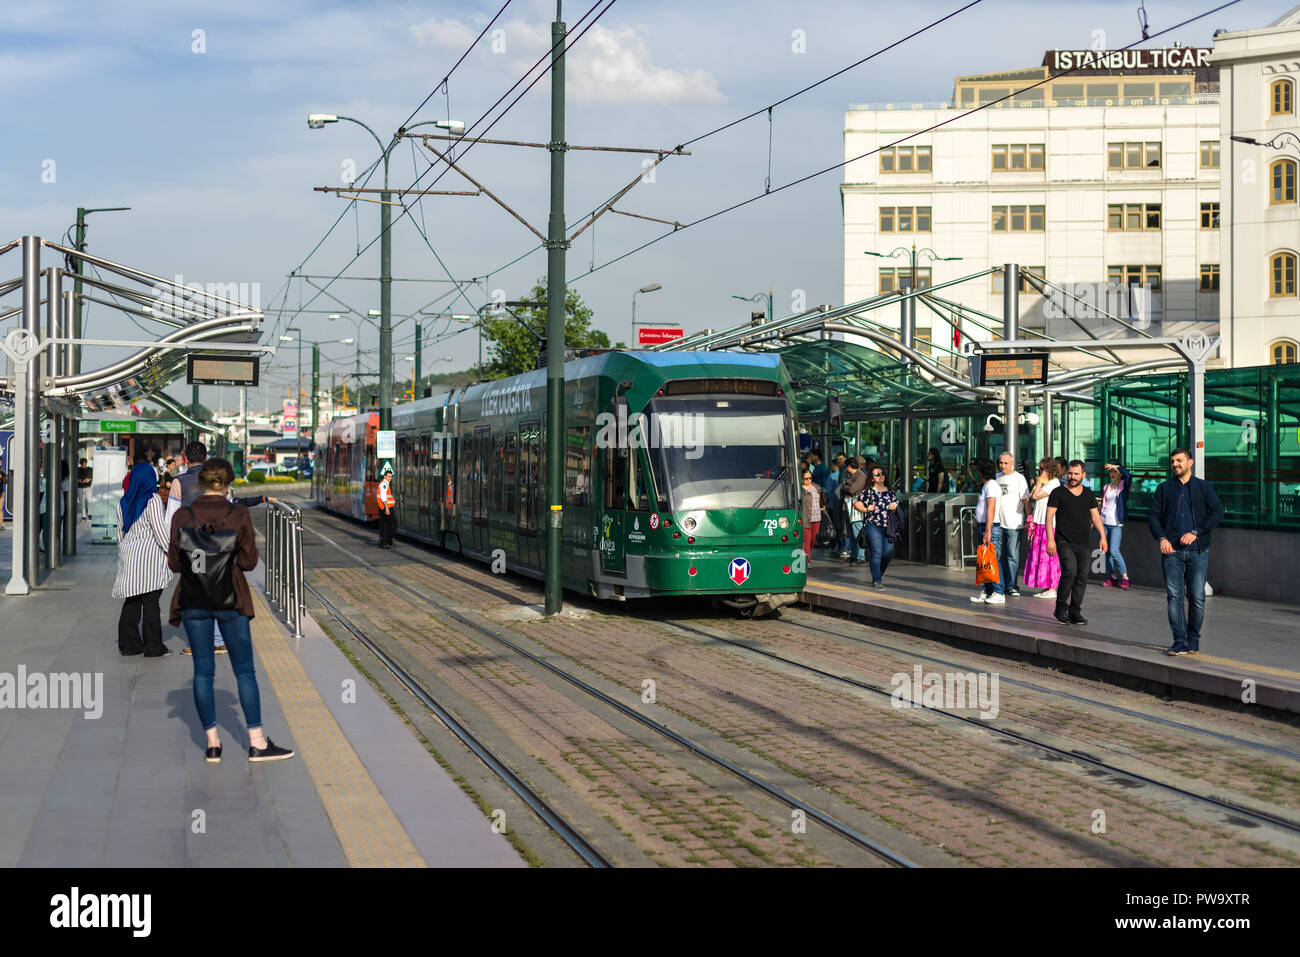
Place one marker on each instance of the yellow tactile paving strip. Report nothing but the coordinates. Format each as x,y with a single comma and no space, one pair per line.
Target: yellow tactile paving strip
947,610
367,828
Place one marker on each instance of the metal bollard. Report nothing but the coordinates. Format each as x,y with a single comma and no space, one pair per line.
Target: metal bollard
284,565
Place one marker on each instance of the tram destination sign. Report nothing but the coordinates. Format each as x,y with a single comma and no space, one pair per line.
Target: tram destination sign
720,386
209,369
1019,368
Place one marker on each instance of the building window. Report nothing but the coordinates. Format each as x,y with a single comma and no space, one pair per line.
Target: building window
1209,154
1019,219
904,219
1282,174
892,280
1210,278
1282,353
1133,216
1134,276
1133,156
1209,215
906,159
1281,95
1281,267
1024,284
1019,157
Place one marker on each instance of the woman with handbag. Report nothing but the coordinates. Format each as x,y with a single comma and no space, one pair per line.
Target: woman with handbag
142,571
875,504
1042,570
213,589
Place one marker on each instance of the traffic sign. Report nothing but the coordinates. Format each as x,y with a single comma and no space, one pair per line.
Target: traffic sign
658,335
386,444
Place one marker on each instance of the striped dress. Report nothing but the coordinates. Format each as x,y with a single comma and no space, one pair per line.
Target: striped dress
142,553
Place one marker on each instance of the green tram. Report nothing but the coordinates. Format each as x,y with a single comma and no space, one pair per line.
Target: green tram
679,475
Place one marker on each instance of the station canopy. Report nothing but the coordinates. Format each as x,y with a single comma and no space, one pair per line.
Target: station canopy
869,383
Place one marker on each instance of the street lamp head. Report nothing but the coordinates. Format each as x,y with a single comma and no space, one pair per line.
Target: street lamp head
650,288
1249,140
286,339
373,313
317,121
454,127
348,341
335,315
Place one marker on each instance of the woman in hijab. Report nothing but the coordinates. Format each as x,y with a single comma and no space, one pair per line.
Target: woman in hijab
142,572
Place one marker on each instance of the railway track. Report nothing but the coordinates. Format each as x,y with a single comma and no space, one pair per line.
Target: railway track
813,813
1241,815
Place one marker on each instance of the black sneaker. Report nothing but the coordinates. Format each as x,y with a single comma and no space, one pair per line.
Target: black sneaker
1063,619
213,755
1078,620
1014,593
158,654
269,753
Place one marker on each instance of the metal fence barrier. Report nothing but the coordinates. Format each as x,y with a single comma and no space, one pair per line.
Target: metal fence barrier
283,558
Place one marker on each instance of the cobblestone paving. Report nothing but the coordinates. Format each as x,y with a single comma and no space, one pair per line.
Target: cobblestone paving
981,800
668,812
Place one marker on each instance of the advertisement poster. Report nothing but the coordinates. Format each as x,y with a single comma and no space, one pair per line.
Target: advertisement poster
289,424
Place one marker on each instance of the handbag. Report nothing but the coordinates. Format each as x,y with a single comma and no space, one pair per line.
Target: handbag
986,565
208,564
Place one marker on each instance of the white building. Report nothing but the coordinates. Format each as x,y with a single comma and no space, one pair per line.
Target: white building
1107,177
1260,75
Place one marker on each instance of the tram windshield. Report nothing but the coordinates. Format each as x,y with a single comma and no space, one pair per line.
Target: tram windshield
733,452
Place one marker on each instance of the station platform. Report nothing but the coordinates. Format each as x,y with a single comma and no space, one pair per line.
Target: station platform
1242,641
130,787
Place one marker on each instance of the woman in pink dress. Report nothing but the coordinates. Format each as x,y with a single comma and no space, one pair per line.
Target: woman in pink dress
1041,569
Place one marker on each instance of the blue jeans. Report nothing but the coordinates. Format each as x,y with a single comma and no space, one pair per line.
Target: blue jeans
855,550
1185,572
882,551
1000,586
234,626
1008,558
1114,560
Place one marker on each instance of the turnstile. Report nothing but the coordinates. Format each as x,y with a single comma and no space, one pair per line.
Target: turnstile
936,528
901,551
918,504
960,536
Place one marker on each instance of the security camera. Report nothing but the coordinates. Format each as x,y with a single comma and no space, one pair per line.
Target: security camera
988,426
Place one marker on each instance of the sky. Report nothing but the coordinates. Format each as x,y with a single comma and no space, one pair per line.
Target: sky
194,116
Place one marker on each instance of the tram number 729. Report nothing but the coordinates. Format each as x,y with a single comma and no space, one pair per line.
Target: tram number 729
770,525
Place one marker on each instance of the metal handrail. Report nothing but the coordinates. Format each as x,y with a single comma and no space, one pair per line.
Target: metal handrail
283,558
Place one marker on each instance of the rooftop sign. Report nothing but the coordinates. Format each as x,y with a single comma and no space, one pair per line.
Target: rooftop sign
1171,58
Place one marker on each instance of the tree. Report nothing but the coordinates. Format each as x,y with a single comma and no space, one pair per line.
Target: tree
514,350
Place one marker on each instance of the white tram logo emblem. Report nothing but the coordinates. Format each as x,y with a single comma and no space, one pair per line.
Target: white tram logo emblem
738,571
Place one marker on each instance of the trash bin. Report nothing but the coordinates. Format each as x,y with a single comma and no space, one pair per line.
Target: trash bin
959,527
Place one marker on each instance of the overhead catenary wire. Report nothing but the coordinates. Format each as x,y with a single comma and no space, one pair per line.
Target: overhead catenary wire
872,152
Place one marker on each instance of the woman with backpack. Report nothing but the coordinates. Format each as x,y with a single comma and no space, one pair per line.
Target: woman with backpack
212,544
142,571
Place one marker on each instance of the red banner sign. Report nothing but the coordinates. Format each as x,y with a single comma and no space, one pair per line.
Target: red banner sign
657,336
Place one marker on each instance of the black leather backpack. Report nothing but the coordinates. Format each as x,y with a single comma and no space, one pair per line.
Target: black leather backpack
208,564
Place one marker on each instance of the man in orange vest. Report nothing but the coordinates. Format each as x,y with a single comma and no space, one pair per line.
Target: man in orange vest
387,506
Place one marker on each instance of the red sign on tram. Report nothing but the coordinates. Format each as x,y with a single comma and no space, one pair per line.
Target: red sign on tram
658,335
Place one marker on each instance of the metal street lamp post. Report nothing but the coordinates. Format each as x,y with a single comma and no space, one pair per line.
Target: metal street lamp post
317,121
758,297
650,288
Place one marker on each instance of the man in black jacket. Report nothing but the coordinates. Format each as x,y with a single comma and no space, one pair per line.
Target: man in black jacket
1183,512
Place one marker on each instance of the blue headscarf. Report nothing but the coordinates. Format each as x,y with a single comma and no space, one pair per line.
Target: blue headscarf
142,487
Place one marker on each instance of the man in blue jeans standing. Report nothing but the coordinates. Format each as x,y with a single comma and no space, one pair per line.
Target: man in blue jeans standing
1183,512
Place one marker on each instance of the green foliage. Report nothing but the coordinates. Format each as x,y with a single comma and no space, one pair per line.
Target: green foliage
281,479
256,476
513,349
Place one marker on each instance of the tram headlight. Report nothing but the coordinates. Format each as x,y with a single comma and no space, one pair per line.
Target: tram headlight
689,523
783,521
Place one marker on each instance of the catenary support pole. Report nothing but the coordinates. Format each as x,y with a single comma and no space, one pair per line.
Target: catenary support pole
1011,330
71,441
315,393
555,295
1196,417
1046,425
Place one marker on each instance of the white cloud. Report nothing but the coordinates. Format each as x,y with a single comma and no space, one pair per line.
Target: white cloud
607,65
444,33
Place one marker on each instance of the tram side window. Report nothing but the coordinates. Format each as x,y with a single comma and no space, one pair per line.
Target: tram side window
577,465
529,474
638,483
467,472
616,477
482,462
511,467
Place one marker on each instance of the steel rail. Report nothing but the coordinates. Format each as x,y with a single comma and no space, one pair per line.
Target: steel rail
834,825
1076,756
565,831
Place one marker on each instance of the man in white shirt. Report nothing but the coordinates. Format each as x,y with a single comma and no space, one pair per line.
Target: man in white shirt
1011,517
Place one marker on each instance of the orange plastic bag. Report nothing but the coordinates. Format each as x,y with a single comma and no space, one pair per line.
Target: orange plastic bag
986,565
